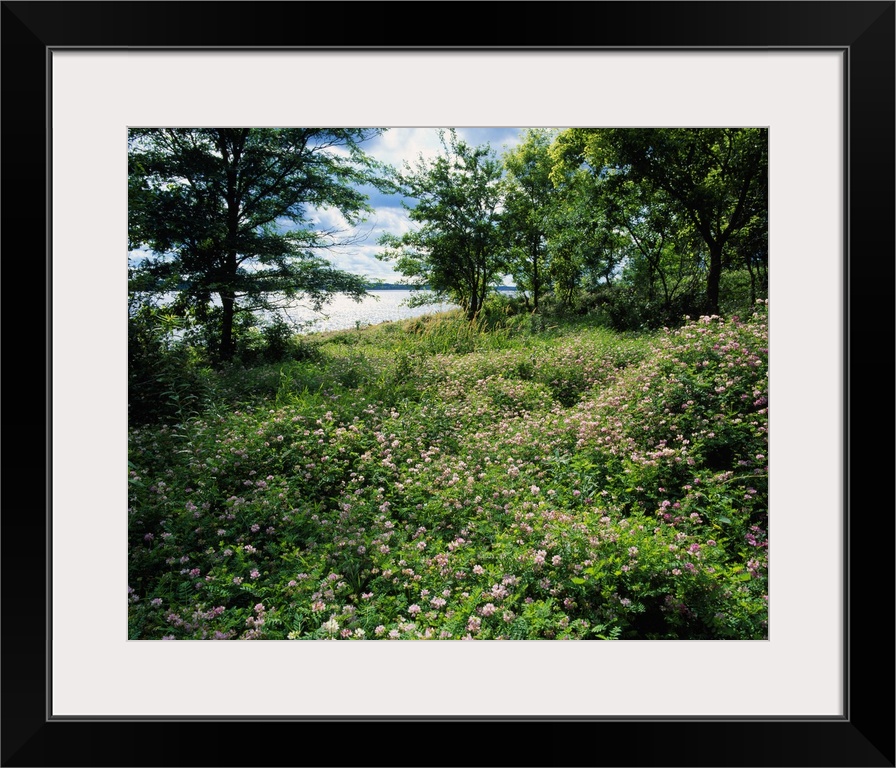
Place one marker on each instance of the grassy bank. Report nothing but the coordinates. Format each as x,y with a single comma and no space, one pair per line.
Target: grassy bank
432,479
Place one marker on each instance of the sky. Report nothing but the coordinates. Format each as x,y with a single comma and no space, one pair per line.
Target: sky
394,147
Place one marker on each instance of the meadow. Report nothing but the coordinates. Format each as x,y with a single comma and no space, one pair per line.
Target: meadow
439,479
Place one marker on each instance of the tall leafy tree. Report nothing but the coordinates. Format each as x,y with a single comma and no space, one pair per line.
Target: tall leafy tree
717,176
586,249
527,210
456,250
223,217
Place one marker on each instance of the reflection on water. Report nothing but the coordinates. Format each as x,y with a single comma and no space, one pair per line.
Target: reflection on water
343,313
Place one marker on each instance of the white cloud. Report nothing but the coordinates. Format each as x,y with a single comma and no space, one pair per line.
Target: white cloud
394,147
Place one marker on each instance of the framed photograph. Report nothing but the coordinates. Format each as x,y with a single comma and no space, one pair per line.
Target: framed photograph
819,76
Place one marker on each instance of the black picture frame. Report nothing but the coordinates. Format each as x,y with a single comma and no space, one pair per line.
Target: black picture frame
863,736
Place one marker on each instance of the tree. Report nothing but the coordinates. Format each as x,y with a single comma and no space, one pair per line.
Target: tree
717,176
456,251
664,264
527,211
586,248
222,216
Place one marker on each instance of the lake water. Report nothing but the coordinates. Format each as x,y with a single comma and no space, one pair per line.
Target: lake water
343,313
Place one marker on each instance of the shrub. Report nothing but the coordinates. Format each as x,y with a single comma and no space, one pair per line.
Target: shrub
576,485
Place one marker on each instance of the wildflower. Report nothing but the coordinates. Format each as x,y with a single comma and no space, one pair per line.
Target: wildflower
254,573
499,591
414,609
331,626
487,610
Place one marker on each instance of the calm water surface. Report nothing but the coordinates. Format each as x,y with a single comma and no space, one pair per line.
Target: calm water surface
343,313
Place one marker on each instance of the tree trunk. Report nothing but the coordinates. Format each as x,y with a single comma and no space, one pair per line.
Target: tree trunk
227,343
473,307
232,151
713,278
535,280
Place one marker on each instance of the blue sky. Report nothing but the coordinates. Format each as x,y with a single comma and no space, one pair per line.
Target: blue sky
394,147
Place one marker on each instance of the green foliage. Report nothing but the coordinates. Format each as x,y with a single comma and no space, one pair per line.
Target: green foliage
527,209
671,189
573,484
166,379
455,253
271,342
207,206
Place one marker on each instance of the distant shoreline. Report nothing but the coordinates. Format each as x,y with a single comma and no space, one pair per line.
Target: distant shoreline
399,287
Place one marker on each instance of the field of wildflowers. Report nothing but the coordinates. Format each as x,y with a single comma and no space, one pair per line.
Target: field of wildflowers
521,483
